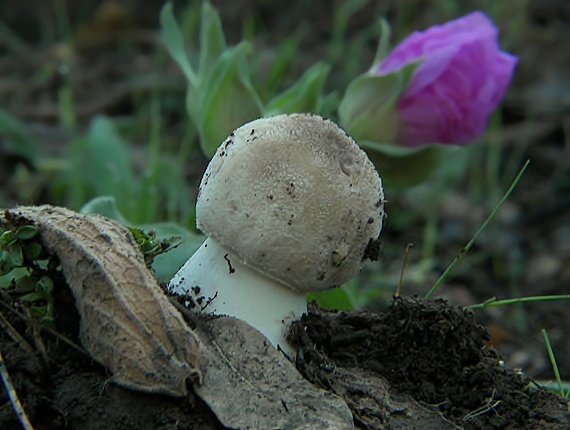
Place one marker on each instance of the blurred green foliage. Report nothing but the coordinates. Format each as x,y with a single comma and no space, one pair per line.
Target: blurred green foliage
147,171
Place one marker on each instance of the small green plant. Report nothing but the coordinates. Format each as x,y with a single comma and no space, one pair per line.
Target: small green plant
16,247
150,246
25,267
28,270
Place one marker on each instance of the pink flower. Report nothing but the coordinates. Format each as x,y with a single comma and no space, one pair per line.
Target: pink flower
461,78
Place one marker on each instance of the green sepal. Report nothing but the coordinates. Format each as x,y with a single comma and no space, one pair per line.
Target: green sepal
401,166
368,109
383,48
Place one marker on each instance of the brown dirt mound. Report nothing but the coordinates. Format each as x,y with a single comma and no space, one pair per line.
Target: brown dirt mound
429,350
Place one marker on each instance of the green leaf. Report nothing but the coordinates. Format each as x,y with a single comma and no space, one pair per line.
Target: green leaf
343,12
32,297
107,166
283,58
368,109
16,255
174,43
304,96
106,206
8,237
47,320
32,250
229,101
45,285
212,40
38,312
173,188
6,265
25,284
404,167
341,298
25,232
16,136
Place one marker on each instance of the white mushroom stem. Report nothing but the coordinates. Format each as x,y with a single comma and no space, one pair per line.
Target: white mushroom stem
219,284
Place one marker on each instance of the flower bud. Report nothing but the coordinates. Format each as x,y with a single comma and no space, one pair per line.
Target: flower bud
461,78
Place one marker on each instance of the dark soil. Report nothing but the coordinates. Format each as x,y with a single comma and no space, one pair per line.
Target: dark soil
63,388
432,351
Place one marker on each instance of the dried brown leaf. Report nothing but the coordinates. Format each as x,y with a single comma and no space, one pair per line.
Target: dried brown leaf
127,322
251,385
378,405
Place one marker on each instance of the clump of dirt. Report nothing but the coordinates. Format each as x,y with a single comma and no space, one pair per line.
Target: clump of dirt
426,350
434,352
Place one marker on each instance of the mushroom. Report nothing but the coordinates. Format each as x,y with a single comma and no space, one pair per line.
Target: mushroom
290,205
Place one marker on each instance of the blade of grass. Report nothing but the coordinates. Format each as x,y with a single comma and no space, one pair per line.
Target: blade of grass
469,244
553,362
14,42
63,22
341,19
492,302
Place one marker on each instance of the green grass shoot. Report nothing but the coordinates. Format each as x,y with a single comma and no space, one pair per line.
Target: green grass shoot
555,367
469,244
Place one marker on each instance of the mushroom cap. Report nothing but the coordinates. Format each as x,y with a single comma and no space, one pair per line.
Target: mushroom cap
295,198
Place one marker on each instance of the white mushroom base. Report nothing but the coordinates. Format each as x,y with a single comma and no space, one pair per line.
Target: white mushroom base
219,284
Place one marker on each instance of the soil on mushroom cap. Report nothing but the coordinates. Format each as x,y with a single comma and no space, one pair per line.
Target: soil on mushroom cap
437,354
